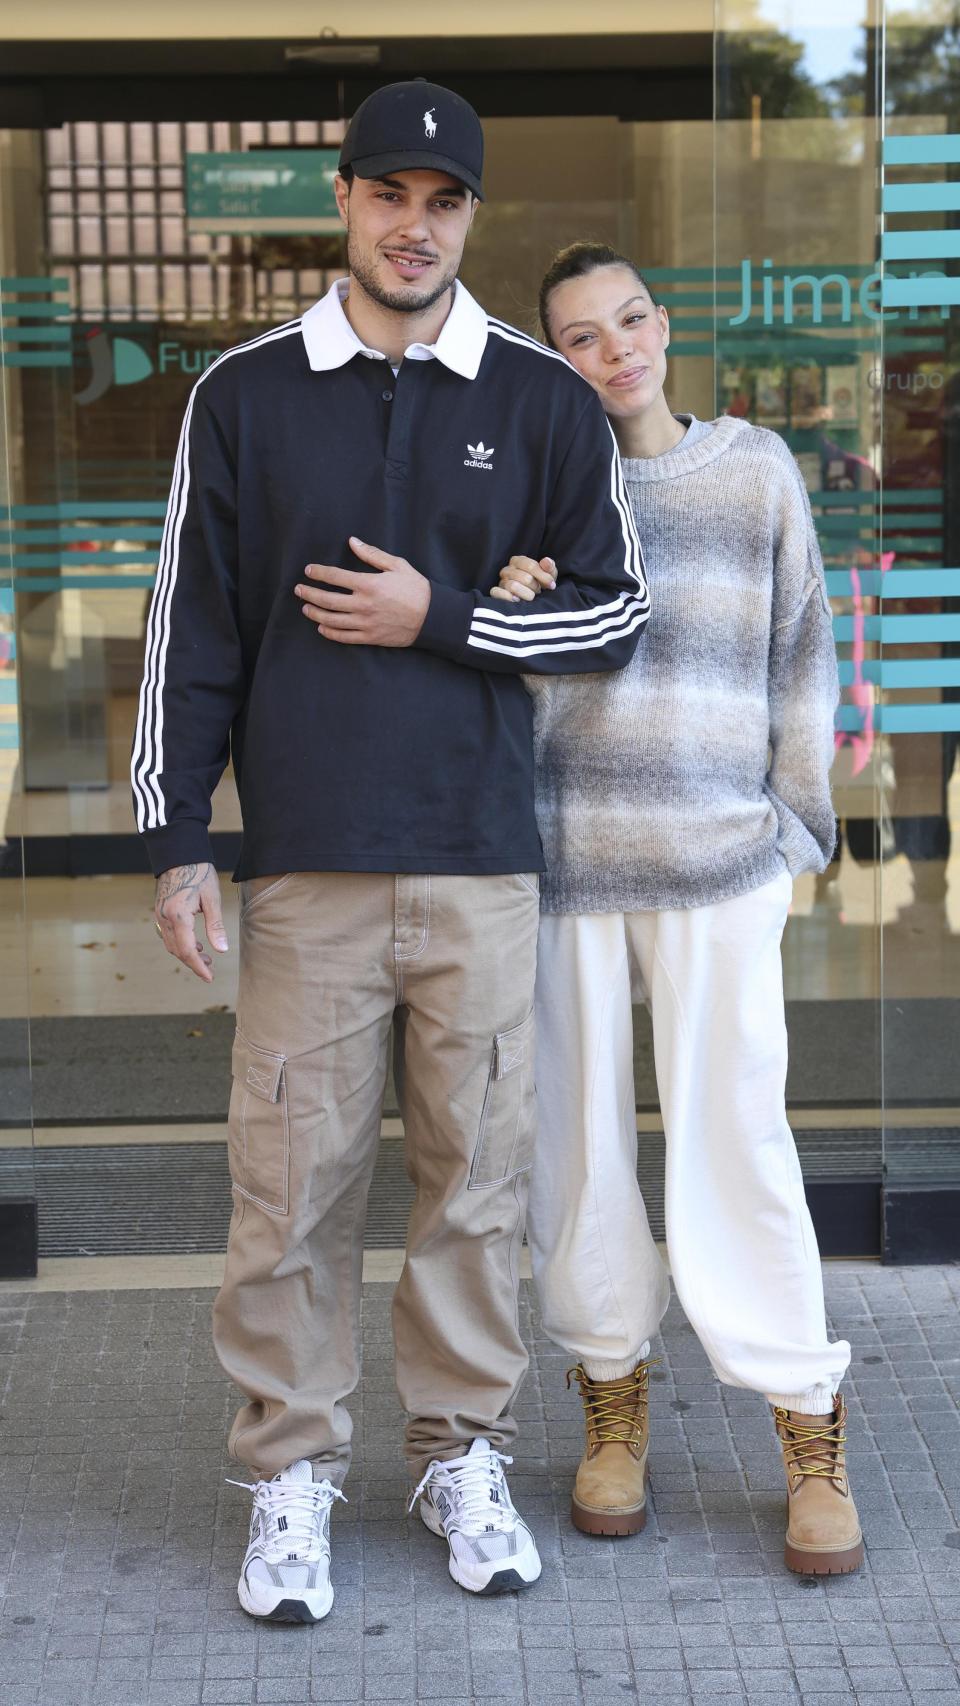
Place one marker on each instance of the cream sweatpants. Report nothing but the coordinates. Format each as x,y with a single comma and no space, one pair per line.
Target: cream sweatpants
741,1244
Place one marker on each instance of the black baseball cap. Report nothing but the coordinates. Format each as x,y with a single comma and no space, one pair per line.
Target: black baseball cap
406,126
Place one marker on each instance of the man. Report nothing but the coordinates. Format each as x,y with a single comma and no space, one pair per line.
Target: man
388,872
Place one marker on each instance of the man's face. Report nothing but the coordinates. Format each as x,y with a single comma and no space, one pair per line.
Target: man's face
405,235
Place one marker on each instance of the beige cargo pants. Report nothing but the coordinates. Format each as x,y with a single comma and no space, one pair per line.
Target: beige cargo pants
326,963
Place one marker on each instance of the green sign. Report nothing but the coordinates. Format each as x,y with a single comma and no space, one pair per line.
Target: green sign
268,189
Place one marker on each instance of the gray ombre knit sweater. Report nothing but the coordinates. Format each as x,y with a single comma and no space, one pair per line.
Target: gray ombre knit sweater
701,769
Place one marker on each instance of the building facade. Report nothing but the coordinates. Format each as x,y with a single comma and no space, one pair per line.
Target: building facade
792,191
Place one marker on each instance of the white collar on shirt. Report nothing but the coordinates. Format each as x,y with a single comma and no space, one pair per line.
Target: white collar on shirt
331,341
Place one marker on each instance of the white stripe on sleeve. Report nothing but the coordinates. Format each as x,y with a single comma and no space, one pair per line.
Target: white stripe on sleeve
539,650
146,765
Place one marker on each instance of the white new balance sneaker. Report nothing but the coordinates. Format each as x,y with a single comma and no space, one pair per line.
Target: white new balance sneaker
286,1571
467,1500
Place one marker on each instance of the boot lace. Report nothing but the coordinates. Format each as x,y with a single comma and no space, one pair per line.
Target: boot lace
813,1450
300,1505
478,1487
616,1410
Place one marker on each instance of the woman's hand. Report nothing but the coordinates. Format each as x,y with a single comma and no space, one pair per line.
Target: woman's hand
525,578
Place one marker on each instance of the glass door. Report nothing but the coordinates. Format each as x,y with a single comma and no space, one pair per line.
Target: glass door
18,1193
796,331
917,665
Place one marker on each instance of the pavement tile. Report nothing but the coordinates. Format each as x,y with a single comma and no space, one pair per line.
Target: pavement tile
121,1550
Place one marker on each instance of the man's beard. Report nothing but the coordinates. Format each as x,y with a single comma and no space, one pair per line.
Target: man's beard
400,301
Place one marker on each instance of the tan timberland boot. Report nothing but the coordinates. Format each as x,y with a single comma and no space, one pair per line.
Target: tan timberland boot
823,1529
610,1492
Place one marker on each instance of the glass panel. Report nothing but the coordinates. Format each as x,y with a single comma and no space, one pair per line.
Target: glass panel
920,650
147,306
145,324
796,330
19,294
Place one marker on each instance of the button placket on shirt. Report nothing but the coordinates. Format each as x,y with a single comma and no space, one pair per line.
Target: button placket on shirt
400,427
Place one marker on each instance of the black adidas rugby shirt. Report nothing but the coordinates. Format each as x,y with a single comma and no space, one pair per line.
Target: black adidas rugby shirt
361,758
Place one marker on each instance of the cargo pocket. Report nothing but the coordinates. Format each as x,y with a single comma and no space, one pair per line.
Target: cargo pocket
259,1129
508,1121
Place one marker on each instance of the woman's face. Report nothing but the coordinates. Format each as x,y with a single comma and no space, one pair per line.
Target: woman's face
609,329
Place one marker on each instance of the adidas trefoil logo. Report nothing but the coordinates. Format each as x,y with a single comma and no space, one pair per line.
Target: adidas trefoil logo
480,455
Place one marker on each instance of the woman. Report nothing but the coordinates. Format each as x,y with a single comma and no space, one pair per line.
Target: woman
677,800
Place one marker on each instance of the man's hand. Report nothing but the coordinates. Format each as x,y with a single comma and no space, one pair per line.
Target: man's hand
182,892
525,578
386,609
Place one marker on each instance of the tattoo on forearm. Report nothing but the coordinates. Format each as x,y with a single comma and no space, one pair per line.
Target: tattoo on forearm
183,879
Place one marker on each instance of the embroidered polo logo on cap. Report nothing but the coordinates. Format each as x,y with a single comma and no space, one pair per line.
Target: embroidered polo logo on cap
430,123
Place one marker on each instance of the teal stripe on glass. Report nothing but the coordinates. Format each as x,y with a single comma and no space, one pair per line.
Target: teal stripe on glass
840,583
83,583
835,525
6,601
903,719
81,511
61,535
935,150
9,737
851,718
919,245
687,275
921,198
901,630
736,342
898,674
34,358
679,347
920,583
700,298
919,719
37,334
912,495
938,292
896,583
832,539
35,310
53,285
911,346
96,559
912,545
909,518
8,691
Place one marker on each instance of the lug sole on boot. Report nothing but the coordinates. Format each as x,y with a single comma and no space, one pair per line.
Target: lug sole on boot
615,1523
805,1562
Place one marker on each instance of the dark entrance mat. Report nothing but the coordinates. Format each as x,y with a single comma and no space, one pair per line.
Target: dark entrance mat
143,1199
176,1067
